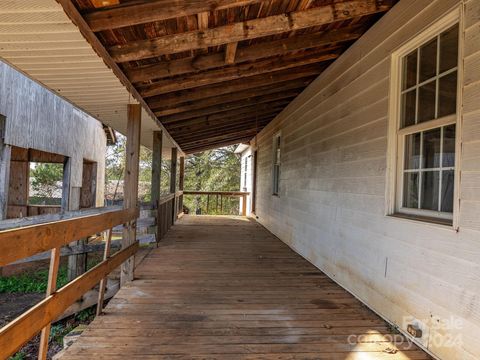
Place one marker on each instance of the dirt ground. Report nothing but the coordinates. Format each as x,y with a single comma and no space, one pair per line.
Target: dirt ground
12,305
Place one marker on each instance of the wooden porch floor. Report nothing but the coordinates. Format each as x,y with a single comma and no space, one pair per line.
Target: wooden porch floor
226,288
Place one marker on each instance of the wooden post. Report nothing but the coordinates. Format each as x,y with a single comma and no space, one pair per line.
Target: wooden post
181,181
5,155
77,264
156,179
132,154
173,183
51,287
208,203
244,205
103,282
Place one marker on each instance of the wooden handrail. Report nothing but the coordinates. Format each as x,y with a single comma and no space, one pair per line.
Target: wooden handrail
241,194
23,242
22,329
166,198
224,193
19,243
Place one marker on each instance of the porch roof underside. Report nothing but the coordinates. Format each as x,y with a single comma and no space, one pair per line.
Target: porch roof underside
215,72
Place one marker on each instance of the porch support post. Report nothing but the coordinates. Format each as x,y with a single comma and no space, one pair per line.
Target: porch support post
5,156
156,179
132,154
181,181
173,183
77,264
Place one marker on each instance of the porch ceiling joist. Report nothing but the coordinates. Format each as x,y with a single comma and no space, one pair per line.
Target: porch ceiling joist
192,125
226,99
236,72
253,52
251,110
256,124
145,11
283,95
233,86
216,144
207,68
246,30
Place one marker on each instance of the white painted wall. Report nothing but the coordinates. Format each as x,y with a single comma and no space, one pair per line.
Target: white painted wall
332,202
246,179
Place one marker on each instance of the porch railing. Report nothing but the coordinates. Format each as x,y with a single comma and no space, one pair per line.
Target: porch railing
19,243
216,198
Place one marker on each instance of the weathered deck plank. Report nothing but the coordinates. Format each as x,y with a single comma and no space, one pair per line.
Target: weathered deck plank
225,288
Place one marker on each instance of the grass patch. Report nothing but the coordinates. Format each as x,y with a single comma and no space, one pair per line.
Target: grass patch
31,281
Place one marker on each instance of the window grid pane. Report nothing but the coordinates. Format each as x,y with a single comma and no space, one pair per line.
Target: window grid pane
436,78
429,170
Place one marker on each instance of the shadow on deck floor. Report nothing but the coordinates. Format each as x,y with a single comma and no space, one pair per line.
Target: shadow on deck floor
226,288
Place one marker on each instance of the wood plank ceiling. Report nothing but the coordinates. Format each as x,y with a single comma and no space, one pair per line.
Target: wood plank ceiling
215,72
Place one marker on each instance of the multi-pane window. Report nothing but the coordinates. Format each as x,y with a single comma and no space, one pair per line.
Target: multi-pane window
276,165
428,107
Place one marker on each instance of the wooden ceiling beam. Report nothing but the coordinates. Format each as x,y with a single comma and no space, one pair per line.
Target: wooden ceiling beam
214,120
235,85
248,53
224,137
283,95
246,30
237,112
230,51
244,125
216,145
236,72
190,127
289,86
159,10
202,20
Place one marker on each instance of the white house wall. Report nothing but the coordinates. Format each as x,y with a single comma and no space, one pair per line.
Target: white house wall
246,174
332,202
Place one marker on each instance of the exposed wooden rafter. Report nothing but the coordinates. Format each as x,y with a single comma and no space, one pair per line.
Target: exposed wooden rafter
231,105
230,51
272,25
236,72
234,85
288,86
253,52
158,10
215,72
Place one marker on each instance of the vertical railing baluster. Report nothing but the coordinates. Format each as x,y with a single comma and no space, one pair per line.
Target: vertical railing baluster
51,287
103,282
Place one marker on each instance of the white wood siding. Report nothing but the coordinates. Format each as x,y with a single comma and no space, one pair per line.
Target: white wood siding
332,202
248,185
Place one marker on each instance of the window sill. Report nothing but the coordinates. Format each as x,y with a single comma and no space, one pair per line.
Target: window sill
424,219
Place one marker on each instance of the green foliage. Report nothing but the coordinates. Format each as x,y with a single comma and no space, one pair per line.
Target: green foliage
86,315
46,179
213,170
19,356
115,169
31,282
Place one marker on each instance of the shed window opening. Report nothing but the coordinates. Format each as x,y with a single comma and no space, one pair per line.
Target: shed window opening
428,107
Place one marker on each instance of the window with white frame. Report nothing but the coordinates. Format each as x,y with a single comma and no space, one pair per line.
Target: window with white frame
276,165
427,126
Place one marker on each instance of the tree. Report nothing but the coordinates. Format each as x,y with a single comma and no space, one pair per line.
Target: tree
212,170
46,179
